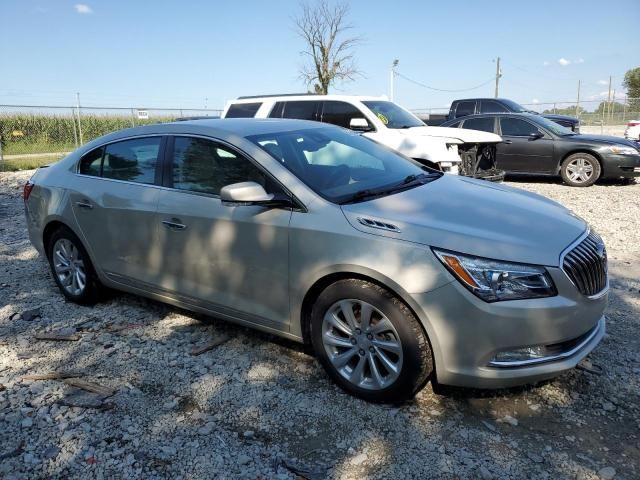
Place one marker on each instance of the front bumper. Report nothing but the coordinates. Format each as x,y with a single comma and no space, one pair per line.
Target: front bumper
616,166
467,333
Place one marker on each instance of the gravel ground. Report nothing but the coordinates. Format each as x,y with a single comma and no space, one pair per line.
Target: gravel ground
259,407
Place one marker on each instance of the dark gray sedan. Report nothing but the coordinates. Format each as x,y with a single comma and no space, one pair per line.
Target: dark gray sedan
534,144
392,272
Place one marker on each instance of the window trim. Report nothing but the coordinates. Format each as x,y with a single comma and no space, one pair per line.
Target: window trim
157,177
167,182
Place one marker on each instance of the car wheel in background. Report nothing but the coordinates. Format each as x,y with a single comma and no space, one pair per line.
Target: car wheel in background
71,267
580,170
369,342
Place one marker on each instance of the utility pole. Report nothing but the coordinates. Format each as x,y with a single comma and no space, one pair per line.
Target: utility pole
606,106
392,76
498,75
79,124
578,102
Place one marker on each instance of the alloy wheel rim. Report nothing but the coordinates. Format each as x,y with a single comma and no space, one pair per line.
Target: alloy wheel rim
362,344
580,170
69,266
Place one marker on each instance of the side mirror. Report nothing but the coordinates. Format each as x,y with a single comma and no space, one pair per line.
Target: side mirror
359,124
536,135
251,193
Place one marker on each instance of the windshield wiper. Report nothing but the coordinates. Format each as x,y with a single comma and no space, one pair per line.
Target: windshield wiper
418,179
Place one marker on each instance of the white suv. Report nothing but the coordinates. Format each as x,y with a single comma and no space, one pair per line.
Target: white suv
633,130
452,150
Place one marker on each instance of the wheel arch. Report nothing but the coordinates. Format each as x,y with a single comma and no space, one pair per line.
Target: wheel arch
327,279
593,153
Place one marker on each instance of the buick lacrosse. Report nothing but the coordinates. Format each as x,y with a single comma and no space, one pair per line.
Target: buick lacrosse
393,273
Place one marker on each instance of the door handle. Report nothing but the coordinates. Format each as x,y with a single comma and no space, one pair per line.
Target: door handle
508,142
174,224
84,204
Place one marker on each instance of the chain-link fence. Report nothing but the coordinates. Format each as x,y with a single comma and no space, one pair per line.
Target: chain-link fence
596,116
30,131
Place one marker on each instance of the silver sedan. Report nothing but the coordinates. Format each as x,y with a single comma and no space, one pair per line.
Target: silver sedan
394,273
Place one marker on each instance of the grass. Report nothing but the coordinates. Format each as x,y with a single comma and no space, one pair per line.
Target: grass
26,164
21,147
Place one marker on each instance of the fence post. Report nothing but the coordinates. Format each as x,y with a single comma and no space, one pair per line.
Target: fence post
1,155
79,124
75,132
133,119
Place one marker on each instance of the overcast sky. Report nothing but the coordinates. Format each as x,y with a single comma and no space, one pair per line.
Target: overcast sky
202,53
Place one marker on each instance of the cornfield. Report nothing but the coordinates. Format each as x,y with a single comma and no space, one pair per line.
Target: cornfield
32,133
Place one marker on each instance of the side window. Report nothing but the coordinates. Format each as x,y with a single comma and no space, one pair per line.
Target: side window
276,112
465,108
455,124
132,160
340,113
484,124
491,106
204,166
91,163
515,127
301,110
243,110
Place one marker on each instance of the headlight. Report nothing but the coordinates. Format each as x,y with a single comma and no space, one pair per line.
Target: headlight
623,150
495,280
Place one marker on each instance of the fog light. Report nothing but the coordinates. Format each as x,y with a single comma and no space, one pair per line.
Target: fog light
527,353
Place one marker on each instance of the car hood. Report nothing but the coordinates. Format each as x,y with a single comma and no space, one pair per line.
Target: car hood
464,135
474,217
603,139
553,116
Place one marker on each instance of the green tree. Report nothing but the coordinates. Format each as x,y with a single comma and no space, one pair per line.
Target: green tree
610,107
570,110
323,28
632,84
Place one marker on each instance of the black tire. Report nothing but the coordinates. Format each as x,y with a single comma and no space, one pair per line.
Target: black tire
570,162
90,293
417,359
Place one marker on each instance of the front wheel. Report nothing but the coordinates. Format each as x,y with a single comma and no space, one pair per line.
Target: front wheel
369,342
580,170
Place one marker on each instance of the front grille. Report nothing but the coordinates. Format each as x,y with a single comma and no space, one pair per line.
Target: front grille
586,265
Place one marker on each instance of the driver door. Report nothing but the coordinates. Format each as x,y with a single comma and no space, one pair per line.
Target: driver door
229,259
522,152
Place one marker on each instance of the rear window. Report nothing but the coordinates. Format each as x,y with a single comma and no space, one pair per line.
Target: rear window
91,163
484,124
465,108
243,110
132,160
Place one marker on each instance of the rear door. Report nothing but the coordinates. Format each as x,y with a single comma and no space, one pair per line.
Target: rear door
114,200
229,259
520,152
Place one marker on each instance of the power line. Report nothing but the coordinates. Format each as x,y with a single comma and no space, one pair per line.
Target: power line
492,79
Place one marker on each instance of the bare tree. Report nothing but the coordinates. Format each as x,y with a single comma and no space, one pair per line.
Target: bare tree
322,26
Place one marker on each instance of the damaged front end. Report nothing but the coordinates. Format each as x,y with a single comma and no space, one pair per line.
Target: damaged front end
478,160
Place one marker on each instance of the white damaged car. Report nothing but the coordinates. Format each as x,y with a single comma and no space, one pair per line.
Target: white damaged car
451,150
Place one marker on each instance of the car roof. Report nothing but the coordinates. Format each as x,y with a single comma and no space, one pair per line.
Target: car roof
306,96
241,127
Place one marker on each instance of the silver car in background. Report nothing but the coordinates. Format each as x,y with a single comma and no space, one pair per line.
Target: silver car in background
394,273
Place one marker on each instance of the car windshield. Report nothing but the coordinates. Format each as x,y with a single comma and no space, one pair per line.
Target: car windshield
342,166
392,115
553,126
514,107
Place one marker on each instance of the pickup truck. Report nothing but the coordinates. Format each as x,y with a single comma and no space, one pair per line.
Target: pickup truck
455,151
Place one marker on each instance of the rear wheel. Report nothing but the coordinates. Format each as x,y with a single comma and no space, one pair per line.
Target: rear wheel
71,267
580,170
369,342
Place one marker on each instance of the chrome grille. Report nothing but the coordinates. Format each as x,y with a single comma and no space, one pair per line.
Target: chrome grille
586,265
